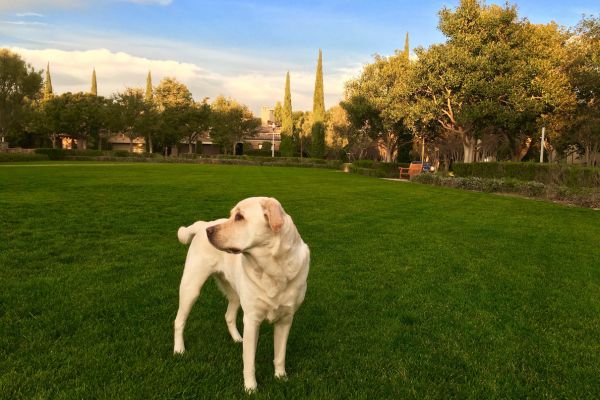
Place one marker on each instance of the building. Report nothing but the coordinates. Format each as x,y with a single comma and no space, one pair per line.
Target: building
267,116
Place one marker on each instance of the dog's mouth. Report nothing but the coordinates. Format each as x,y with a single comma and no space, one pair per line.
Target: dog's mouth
232,250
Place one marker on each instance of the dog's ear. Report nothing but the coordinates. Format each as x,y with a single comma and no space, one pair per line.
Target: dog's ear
274,213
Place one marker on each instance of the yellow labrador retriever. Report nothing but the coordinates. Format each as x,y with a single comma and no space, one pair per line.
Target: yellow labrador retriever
260,262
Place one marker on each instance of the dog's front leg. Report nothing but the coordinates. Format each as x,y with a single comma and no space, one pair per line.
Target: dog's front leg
281,332
250,340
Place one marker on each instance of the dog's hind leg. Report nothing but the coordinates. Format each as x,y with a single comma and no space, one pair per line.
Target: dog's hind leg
232,308
192,280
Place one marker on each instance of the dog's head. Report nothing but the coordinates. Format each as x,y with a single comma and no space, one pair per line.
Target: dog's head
252,222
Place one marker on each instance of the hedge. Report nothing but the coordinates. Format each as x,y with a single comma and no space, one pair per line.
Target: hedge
584,197
377,168
10,157
550,174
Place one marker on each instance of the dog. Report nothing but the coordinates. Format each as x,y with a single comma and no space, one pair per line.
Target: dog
260,262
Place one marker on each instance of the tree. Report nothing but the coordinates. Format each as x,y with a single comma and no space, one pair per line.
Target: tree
338,129
20,84
94,89
584,74
173,100
80,115
287,125
171,93
134,115
318,115
231,122
149,97
48,93
379,102
277,113
406,52
495,74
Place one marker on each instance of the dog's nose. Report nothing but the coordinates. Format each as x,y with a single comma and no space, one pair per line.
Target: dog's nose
210,231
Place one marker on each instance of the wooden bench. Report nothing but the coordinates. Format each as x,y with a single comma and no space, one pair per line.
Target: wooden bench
415,168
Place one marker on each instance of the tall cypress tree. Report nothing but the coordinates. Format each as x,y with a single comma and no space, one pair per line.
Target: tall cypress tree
48,93
318,128
149,98
406,51
319,99
148,94
287,124
94,89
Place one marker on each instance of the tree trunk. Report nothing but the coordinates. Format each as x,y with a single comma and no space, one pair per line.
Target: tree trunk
81,144
469,147
190,147
130,144
149,145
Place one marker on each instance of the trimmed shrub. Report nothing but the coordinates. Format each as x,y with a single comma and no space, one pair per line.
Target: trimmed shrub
10,157
550,174
52,154
385,170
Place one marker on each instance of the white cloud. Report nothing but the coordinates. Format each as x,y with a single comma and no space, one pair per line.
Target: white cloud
71,70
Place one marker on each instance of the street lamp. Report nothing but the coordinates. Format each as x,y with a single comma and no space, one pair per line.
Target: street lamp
273,140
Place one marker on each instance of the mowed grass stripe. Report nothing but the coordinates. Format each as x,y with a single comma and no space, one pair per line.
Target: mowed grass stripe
414,291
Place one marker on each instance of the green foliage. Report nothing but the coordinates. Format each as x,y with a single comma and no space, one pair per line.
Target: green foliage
319,97
554,174
318,140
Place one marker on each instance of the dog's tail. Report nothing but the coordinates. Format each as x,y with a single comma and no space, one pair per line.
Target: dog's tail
186,234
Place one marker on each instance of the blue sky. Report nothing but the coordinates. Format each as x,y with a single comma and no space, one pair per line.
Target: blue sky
238,48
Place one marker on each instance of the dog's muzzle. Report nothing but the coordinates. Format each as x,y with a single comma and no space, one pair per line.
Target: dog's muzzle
210,233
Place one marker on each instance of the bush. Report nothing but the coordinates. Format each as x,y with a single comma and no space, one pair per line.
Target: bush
385,170
52,154
121,153
10,157
550,174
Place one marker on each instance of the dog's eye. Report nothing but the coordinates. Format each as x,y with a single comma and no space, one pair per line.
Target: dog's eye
239,217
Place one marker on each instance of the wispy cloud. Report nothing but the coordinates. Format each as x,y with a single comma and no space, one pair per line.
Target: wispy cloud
67,4
24,23
29,14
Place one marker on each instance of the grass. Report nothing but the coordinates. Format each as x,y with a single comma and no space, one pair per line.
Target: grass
414,291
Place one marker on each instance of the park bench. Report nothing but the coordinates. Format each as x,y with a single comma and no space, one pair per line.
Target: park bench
415,168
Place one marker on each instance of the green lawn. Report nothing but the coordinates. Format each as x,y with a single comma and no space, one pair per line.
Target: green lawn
414,291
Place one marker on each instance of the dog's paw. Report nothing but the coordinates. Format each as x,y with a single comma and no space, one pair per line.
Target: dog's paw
237,339
178,351
281,375
250,387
